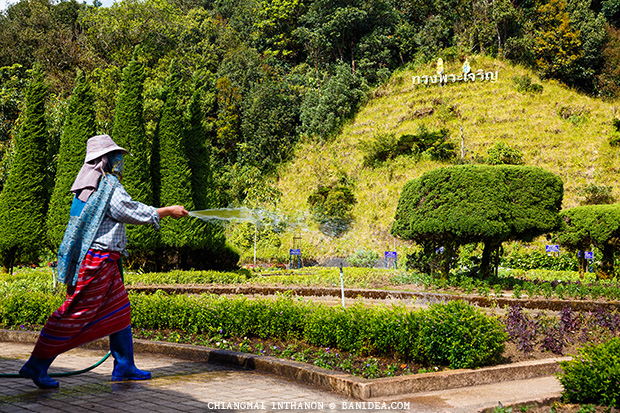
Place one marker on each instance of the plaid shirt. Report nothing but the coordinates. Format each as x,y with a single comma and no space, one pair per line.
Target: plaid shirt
122,210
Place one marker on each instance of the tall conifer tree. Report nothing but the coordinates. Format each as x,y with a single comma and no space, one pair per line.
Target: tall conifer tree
23,201
78,127
129,132
175,173
208,238
198,154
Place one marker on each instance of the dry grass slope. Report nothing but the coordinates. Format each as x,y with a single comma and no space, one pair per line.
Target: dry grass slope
488,112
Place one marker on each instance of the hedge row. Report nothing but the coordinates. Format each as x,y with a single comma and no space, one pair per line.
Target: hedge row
453,334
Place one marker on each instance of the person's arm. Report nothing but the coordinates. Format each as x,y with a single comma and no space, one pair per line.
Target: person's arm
174,211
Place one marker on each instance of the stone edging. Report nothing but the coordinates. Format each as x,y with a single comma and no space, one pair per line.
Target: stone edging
340,382
352,293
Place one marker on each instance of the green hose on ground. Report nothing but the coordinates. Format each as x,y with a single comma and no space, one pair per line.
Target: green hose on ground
65,374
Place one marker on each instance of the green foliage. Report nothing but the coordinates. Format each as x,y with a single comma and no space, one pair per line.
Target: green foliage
13,81
331,208
503,154
593,376
129,133
175,173
78,127
594,194
268,241
448,334
384,147
269,125
557,44
592,225
324,110
363,258
189,277
24,199
524,84
541,260
459,205
453,334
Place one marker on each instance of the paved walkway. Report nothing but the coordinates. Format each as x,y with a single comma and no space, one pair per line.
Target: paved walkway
187,386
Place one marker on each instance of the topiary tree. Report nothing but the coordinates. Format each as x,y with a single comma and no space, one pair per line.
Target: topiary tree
129,132
457,205
592,225
23,201
78,127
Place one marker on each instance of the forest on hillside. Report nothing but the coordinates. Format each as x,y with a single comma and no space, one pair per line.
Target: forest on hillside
272,73
276,71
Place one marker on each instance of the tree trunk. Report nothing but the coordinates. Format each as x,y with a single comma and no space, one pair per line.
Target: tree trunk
607,263
490,248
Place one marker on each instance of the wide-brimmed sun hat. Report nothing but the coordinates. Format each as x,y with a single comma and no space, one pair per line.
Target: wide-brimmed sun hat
100,145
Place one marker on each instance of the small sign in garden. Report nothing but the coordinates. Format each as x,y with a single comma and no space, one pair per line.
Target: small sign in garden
552,248
391,256
294,252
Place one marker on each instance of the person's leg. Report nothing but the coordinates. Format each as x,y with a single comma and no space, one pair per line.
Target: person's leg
121,347
96,307
36,369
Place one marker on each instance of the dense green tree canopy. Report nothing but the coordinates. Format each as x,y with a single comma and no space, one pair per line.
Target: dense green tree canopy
595,226
458,205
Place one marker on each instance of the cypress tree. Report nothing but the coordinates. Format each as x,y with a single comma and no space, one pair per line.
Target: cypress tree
129,132
23,200
198,154
78,127
209,239
175,173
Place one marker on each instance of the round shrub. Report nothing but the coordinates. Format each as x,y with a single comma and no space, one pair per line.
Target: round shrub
458,335
593,376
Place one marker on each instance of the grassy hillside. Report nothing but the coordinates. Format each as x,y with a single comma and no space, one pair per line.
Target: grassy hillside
576,148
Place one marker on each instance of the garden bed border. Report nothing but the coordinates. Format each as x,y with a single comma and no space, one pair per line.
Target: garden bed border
343,383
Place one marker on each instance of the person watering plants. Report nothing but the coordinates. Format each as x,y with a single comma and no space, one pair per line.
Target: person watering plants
96,304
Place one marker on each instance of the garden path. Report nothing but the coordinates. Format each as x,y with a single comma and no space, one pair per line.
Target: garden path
188,386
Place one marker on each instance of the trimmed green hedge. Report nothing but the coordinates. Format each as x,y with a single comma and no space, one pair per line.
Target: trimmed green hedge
593,376
453,334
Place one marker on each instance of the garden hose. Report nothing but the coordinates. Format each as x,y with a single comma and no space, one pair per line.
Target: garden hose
68,373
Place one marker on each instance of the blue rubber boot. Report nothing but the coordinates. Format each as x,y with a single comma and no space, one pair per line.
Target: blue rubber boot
36,369
121,347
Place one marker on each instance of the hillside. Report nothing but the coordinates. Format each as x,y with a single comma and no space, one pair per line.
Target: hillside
576,148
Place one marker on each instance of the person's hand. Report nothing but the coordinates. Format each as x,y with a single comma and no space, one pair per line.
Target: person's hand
174,211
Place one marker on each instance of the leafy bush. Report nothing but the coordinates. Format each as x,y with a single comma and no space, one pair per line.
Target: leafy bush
455,334
459,205
459,335
594,194
385,146
331,208
540,260
594,375
363,258
524,84
504,154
